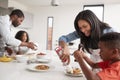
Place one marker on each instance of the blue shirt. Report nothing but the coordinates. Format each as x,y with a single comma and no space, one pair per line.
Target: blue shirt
73,36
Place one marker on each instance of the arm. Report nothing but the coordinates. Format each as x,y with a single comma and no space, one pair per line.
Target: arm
86,58
89,61
63,43
10,40
69,37
89,74
65,54
28,44
7,37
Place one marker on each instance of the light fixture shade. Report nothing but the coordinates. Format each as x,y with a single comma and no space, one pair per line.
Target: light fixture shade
55,3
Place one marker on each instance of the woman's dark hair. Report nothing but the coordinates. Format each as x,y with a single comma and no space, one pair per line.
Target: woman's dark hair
17,12
19,35
97,28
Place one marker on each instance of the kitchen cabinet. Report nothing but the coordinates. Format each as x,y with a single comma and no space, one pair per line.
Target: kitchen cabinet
4,11
4,3
28,21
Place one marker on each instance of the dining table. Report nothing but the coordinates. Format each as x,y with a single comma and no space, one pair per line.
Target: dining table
15,70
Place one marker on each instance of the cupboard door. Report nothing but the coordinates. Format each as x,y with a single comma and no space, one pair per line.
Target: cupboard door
4,3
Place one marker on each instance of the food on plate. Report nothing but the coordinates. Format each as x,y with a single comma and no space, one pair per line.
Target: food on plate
41,55
69,69
42,67
74,71
5,59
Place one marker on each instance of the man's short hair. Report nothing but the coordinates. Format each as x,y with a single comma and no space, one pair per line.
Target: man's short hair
17,12
112,40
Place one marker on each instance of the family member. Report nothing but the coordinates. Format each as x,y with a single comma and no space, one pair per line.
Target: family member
109,45
24,37
6,38
89,29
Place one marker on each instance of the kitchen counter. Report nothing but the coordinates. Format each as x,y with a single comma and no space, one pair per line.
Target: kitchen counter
18,71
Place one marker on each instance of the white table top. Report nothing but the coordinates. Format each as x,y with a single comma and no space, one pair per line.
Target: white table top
17,71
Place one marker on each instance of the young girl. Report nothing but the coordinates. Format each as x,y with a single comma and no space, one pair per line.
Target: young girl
24,37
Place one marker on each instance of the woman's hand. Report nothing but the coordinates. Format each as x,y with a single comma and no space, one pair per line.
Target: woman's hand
65,55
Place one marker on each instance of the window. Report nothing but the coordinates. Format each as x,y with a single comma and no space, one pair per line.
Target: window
97,9
49,32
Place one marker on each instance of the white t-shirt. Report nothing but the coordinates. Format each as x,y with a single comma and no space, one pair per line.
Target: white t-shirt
6,36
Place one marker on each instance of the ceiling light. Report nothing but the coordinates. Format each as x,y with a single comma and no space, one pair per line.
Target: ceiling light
55,3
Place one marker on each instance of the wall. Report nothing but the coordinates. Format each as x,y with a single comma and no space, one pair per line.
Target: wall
63,21
16,5
4,3
112,15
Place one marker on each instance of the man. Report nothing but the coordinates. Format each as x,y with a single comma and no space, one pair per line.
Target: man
15,19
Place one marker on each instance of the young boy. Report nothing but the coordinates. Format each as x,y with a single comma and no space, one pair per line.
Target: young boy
109,45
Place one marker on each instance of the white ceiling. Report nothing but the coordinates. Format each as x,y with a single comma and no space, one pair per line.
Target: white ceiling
66,2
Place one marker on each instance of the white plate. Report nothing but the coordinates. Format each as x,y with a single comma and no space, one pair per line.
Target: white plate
31,67
44,60
74,75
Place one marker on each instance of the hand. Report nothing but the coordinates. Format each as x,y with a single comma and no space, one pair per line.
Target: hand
65,55
9,50
19,53
36,46
31,45
79,54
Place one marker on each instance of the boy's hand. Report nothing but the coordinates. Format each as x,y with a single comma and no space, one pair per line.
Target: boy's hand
79,54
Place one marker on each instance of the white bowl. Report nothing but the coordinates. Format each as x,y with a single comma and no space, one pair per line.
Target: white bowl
21,58
41,55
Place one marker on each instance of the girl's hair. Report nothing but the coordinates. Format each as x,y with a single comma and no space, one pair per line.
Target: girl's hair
19,35
97,28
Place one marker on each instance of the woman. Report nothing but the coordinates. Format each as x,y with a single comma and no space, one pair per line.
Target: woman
89,29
